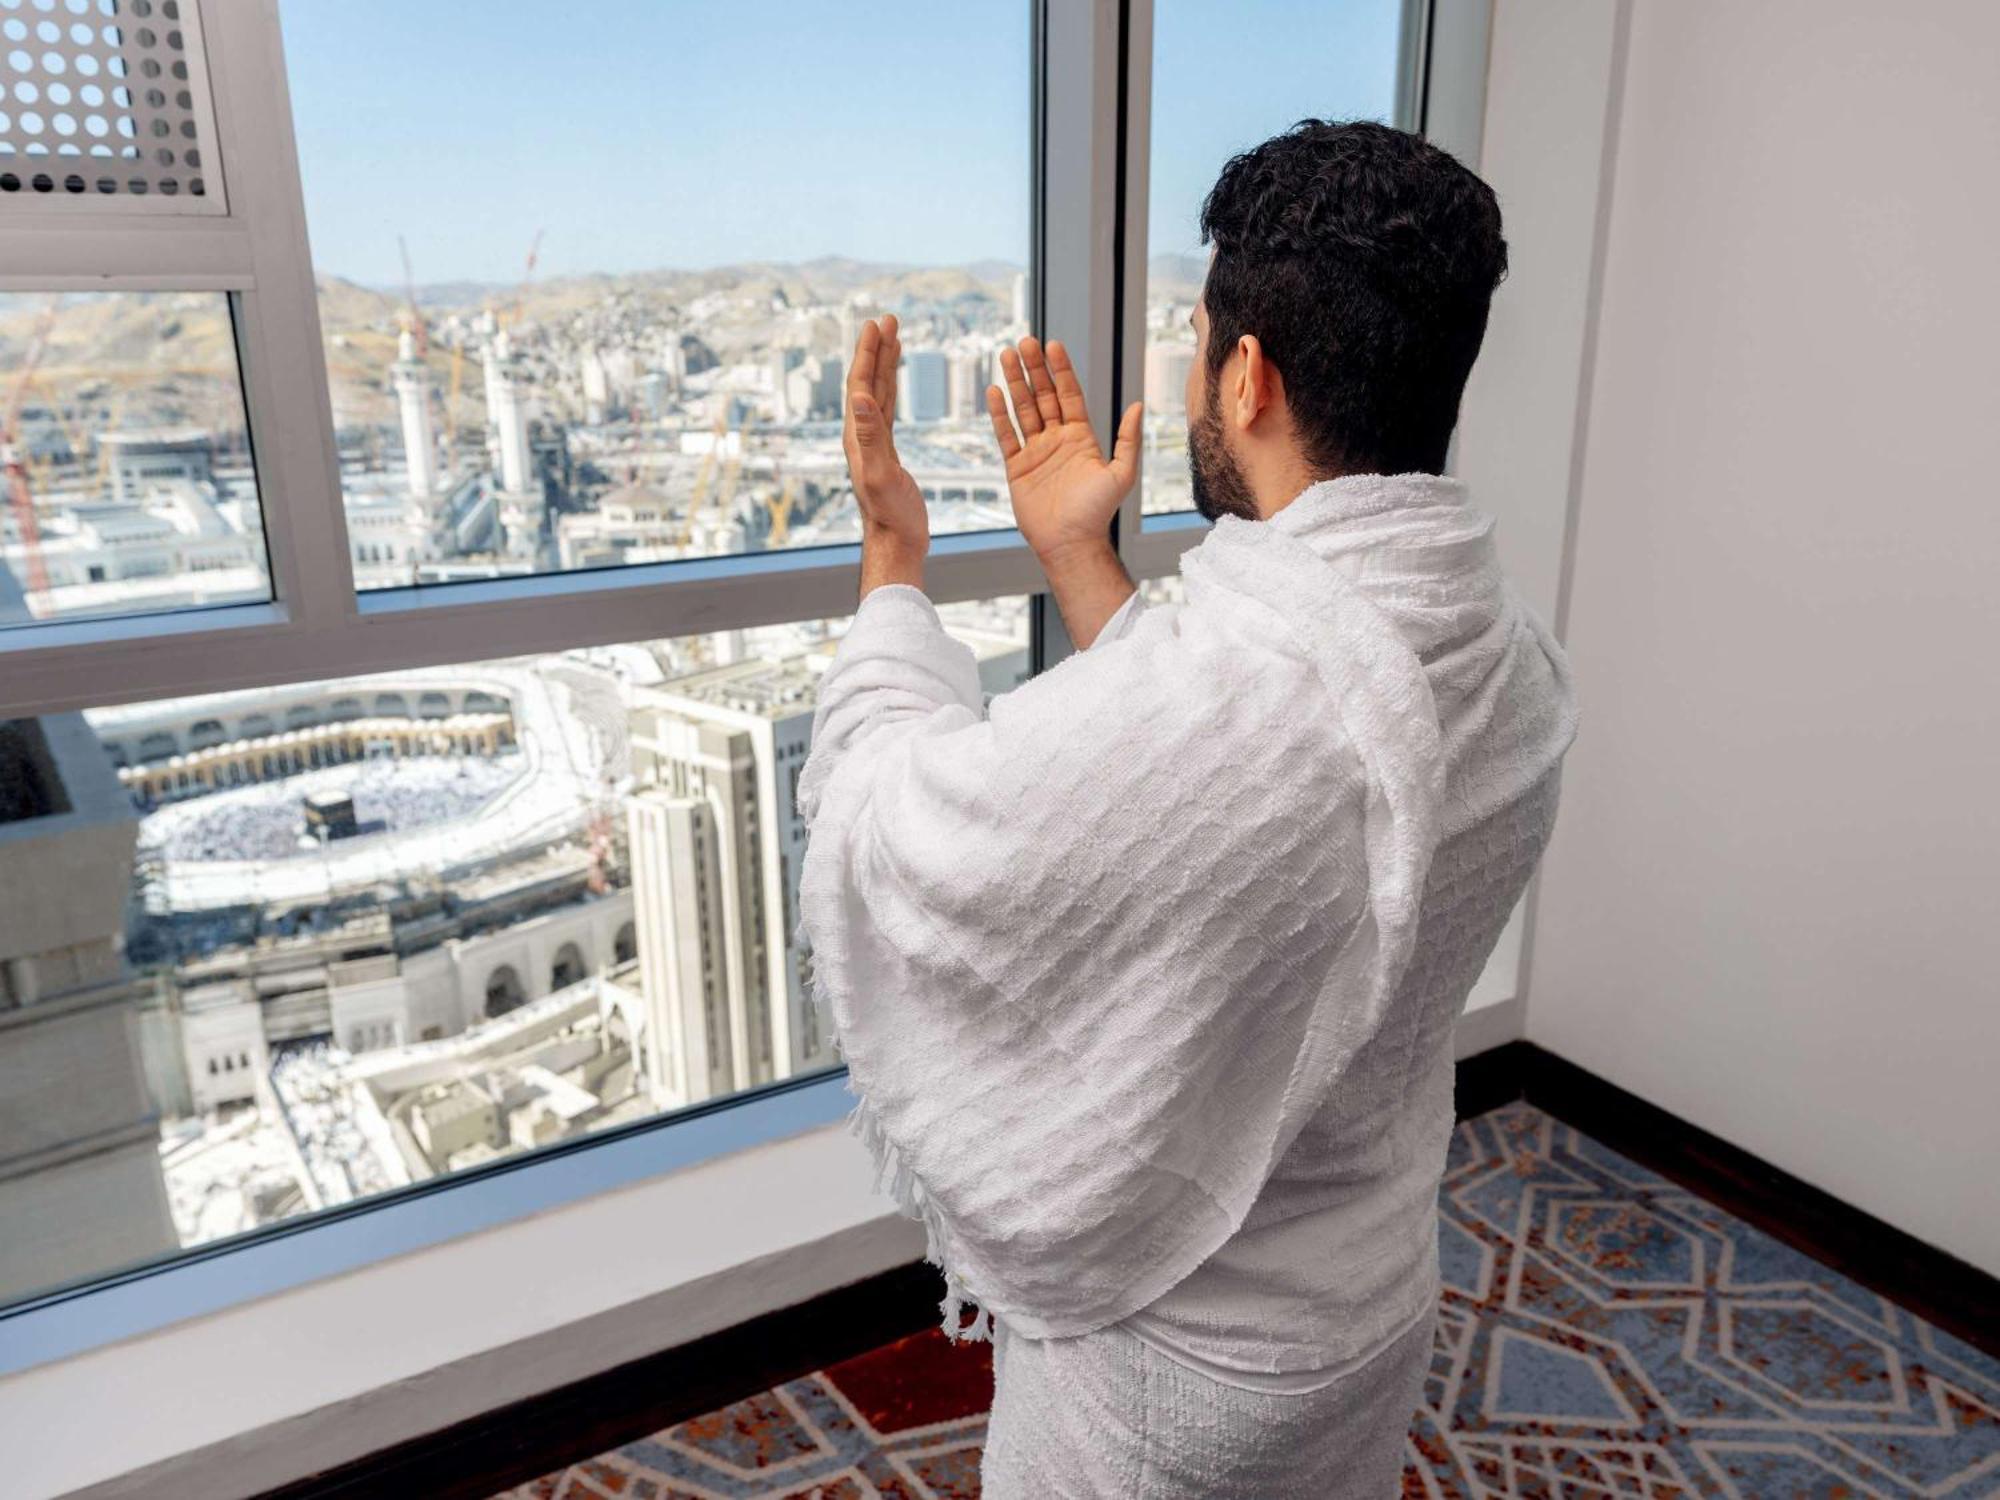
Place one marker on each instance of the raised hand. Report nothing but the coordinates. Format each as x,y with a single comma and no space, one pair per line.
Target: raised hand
1065,492
892,507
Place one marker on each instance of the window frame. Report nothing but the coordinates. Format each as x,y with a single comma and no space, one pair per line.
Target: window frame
1151,545
317,624
1090,77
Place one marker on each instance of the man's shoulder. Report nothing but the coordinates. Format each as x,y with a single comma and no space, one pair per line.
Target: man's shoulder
1212,691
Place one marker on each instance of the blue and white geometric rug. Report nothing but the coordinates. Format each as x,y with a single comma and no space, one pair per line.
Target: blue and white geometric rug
1603,1333
1606,1332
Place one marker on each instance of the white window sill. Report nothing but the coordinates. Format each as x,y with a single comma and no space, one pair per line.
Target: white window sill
265,1389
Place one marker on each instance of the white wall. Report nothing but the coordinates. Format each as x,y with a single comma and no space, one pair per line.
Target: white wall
1550,70
1544,147
1772,901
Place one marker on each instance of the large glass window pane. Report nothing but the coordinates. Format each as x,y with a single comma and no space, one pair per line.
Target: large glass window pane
129,480
640,237
1224,78
276,949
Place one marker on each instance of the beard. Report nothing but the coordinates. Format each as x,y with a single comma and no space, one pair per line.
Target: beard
1216,478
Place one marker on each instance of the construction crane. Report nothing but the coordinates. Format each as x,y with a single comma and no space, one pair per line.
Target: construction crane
781,511
412,318
699,493
513,314
35,575
732,470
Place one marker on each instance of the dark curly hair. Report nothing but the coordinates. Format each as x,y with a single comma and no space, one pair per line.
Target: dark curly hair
1364,260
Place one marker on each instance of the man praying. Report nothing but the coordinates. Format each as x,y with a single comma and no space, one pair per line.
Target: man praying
1146,972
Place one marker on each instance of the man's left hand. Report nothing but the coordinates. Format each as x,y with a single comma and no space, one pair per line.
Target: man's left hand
894,524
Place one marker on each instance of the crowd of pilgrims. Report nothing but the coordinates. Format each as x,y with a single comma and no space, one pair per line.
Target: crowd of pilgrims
266,820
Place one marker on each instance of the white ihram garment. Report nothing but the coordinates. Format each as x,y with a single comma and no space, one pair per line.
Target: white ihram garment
1146,974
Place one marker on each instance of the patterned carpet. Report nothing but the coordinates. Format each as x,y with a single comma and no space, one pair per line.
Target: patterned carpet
1603,1333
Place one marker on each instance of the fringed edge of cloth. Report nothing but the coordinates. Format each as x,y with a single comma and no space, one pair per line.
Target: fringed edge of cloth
894,1175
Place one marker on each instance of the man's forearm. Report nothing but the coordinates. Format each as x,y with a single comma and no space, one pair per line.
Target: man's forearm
1090,583
889,558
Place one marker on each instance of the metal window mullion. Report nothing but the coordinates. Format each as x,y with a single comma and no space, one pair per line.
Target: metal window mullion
1156,551
1150,547
278,332
124,255
1440,88
317,627
1148,550
92,663
1077,215
1133,543
1458,37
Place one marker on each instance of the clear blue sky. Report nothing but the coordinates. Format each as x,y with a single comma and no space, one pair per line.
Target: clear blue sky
648,133
1229,73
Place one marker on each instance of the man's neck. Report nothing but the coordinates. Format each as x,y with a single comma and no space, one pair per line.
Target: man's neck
1286,477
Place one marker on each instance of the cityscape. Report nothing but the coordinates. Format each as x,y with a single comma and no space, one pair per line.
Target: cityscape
273,950
342,937
482,433
326,940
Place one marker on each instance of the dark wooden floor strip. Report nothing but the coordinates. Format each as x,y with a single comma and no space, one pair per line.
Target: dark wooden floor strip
526,1439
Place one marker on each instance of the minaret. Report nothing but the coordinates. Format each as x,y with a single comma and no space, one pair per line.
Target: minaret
510,423
487,327
413,394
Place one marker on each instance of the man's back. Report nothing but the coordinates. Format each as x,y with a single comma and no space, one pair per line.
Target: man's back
1186,926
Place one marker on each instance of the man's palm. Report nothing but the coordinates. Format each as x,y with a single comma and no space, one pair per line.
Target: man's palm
888,497
1063,488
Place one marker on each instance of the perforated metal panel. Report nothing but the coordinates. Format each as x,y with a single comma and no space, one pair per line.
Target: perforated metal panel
104,106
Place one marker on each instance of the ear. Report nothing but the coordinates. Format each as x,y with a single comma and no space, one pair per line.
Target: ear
1257,388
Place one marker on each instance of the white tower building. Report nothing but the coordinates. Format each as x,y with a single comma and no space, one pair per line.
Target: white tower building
413,394
923,386
969,382
717,846
504,411
487,327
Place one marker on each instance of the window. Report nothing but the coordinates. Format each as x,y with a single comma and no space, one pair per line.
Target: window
130,482
521,861
1224,78
366,882
610,328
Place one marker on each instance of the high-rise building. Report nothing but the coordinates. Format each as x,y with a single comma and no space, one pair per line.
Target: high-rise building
715,848
716,845
969,378
923,386
1167,366
813,388
783,362
81,1189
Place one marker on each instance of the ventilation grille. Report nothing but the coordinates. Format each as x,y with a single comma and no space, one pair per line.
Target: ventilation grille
104,106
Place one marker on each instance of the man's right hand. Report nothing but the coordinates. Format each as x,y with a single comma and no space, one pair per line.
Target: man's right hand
1064,491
